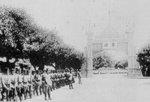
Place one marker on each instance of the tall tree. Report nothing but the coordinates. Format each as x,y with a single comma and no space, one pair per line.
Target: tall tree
16,28
45,53
144,60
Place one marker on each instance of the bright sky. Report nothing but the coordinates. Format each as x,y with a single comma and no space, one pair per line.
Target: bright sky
70,17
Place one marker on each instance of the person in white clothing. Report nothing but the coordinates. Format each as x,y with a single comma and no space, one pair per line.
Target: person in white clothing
47,85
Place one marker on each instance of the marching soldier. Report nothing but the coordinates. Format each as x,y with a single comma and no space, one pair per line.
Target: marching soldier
53,81
47,85
30,85
57,80
66,78
5,87
33,81
38,83
13,81
25,86
19,87
1,76
51,86
0,83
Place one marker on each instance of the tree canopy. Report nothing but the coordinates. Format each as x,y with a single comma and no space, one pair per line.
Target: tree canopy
22,38
144,60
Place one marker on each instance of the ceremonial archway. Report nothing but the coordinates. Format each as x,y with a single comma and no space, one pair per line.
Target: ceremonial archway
109,39
114,34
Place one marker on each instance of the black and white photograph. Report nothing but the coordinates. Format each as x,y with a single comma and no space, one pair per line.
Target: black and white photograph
74,50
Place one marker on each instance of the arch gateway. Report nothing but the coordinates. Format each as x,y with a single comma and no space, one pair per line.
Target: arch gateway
110,39
113,37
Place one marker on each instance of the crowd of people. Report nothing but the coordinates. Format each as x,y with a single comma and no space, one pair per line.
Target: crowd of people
20,86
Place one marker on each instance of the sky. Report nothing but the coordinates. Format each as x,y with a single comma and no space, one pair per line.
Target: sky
71,17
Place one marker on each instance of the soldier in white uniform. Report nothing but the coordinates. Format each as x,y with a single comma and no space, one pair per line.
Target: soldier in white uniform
30,85
1,82
70,80
13,82
47,85
5,87
25,86
19,87
38,83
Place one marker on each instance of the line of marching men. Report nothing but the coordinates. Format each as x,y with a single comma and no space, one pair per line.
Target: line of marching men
18,87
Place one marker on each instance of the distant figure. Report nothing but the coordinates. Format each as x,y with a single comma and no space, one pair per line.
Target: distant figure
70,80
79,77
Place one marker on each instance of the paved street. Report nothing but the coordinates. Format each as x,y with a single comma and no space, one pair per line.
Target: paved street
103,88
